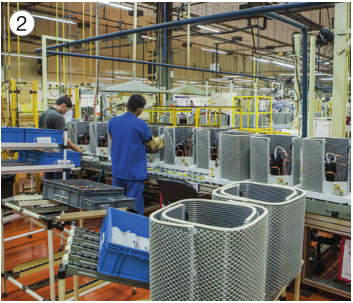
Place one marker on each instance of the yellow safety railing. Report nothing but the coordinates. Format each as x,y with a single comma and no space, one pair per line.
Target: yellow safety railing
174,110
256,112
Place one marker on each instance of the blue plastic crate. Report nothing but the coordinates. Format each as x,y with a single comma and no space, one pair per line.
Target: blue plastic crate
41,158
13,134
31,134
122,261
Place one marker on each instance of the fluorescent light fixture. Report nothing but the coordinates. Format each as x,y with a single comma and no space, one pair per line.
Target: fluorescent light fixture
283,64
208,29
118,5
277,83
213,50
262,60
265,88
53,19
204,86
25,56
239,81
189,82
286,74
151,38
327,79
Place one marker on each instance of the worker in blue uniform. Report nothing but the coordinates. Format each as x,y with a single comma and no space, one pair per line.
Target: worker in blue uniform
130,135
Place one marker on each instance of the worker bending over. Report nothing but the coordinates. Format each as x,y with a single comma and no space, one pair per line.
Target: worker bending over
130,135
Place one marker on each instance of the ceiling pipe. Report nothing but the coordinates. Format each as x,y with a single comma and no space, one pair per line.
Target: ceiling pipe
157,64
204,19
304,30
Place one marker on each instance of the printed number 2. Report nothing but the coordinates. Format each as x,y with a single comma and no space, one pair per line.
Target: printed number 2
19,27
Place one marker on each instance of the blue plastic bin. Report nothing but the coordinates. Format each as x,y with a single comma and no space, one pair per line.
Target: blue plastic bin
13,134
40,158
32,133
122,261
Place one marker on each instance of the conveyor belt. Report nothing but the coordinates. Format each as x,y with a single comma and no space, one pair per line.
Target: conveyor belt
83,252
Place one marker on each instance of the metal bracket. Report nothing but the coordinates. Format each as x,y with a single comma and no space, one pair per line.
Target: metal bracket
343,31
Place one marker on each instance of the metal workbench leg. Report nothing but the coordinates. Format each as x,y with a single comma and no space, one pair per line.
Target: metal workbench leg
51,264
76,288
3,280
297,285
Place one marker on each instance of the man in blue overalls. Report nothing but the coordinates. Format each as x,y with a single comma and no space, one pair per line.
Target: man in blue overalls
129,136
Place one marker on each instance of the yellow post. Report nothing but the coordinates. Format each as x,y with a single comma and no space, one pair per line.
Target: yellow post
35,103
256,113
77,103
13,102
197,117
241,119
219,118
271,128
17,185
175,120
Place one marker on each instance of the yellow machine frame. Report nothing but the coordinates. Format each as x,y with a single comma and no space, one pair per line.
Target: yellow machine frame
175,109
265,130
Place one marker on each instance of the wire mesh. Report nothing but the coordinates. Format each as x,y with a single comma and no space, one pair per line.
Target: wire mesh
203,250
286,207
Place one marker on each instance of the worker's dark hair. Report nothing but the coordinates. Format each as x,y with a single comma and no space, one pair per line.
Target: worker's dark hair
64,100
135,102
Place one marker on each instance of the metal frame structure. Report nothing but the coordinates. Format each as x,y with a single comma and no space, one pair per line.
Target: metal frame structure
266,11
174,110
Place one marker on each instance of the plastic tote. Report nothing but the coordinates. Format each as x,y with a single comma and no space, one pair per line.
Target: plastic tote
41,158
122,261
13,134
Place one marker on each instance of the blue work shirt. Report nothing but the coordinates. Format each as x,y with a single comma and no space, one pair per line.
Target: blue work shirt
129,135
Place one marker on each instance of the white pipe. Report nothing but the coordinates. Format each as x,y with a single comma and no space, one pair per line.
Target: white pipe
207,104
51,265
312,86
30,292
25,212
62,289
76,288
188,45
24,235
44,73
90,290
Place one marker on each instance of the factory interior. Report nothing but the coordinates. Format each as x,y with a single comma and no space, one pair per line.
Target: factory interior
176,151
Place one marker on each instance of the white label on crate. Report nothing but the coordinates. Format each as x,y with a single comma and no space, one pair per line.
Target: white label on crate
43,140
63,192
195,185
104,206
102,241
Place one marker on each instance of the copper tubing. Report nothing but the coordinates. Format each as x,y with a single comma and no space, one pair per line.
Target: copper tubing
341,164
279,170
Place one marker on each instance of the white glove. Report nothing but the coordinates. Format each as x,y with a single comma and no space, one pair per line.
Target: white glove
162,136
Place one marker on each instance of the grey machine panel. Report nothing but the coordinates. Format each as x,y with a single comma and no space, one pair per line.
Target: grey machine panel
97,130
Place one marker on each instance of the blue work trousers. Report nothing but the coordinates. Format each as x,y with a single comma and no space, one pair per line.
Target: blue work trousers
133,189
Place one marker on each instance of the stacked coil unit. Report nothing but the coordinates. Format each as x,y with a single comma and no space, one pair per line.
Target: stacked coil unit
327,165
282,118
283,155
79,134
179,146
286,208
207,141
99,139
234,156
155,155
203,250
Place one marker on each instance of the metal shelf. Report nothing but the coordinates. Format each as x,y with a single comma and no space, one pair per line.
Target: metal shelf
9,167
28,146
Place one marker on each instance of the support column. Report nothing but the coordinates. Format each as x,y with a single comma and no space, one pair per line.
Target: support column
296,105
340,70
312,86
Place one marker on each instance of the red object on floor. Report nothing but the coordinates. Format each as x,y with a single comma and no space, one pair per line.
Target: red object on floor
160,200
348,120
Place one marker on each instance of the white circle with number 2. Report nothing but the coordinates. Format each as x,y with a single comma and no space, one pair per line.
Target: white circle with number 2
21,23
